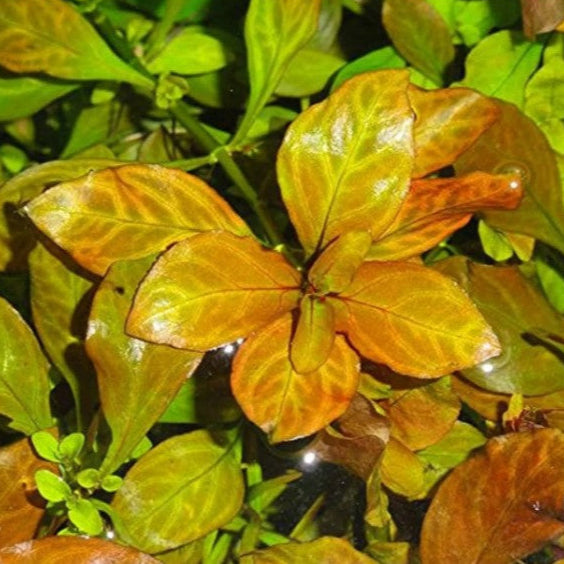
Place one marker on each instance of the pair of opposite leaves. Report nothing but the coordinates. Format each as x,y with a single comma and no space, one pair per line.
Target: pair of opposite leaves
351,173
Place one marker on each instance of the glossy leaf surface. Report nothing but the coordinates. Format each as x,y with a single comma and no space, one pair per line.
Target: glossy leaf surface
275,30
421,415
329,550
129,212
420,34
61,550
60,298
24,384
515,144
447,122
342,169
425,329
519,483
314,335
282,402
515,310
179,491
136,379
50,36
334,270
212,289
501,64
435,208
21,506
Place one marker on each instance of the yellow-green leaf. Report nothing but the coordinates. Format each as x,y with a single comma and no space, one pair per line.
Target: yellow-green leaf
426,325
447,122
212,289
402,471
345,163
24,384
329,550
136,379
51,36
129,212
179,491
284,403
275,30
333,271
315,332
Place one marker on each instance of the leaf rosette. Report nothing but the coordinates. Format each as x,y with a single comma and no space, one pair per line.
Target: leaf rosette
358,176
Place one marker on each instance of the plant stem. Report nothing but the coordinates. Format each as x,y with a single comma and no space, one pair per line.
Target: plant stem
163,26
190,164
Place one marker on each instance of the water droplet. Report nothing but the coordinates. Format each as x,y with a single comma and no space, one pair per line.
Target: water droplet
518,168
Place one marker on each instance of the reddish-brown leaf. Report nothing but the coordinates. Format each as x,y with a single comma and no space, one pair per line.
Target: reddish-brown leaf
540,17
315,332
212,289
64,550
345,163
21,506
426,325
284,403
437,207
447,122
129,212
501,504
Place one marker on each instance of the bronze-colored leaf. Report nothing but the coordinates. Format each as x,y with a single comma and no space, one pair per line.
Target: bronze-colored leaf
184,488
435,208
314,335
212,289
21,506
427,325
359,441
129,212
334,270
515,144
512,496
540,17
136,379
514,308
422,414
329,550
63,550
345,163
284,403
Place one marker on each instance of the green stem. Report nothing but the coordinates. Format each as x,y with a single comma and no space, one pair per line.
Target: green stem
163,26
190,164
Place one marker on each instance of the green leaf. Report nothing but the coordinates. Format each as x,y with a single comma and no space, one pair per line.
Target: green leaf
501,64
192,51
51,36
46,445
275,30
134,385
111,483
384,58
22,97
263,494
514,308
60,297
494,242
88,478
420,34
24,384
550,271
52,487
71,446
332,179
85,517
184,488
308,72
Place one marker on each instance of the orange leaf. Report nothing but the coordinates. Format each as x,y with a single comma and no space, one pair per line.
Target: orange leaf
129,212
284,403
419,324
437,207
345,163
333,271
21,506
447,122
63,550
511,494
212,289
314,336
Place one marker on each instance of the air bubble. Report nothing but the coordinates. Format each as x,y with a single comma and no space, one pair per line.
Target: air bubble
515,168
